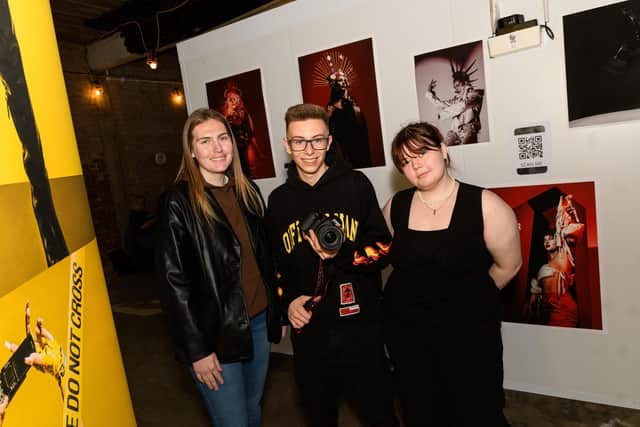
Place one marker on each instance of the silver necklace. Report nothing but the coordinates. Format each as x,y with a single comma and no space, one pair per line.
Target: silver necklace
440,202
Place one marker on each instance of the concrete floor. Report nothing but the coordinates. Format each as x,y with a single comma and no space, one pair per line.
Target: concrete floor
163,394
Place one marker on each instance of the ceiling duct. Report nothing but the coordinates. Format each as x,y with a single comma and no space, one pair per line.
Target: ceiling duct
110,52
152,26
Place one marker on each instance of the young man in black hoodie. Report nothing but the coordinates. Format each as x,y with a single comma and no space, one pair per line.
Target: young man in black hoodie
336,336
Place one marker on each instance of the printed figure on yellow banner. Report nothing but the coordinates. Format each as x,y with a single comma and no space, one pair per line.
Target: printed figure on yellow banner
4,402
16,93
48,251
42,352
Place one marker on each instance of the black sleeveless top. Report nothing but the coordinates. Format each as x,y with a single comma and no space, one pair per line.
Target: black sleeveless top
441,277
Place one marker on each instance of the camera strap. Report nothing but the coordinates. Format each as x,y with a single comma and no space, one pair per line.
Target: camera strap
320,289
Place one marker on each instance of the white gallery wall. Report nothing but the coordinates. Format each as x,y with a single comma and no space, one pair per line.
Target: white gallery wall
522,88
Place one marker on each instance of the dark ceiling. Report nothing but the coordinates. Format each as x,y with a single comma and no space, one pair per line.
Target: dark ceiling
85,21
70,19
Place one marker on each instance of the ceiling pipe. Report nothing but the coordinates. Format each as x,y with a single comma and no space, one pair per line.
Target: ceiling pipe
112,52
109,52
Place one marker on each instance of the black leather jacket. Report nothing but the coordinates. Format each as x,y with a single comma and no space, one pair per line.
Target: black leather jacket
199,268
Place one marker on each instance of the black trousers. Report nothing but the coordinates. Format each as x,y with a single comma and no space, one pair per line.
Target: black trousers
347,360
448,378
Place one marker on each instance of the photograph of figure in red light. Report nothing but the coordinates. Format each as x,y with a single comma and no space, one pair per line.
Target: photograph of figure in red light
558,284
239,98
342,79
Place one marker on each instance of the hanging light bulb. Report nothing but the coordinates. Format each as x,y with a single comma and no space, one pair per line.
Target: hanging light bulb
97,90
152,60
177,97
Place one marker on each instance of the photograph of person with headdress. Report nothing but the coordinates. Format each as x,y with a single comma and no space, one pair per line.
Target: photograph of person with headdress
558,284
450,84
239,98
342,80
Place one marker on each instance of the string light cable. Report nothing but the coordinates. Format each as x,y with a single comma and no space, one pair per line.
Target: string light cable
151,55
547,28
160,12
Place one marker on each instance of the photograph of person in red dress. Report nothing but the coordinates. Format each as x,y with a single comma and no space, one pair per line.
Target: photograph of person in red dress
559,282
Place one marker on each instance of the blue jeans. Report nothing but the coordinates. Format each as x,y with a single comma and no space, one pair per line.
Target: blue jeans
237,401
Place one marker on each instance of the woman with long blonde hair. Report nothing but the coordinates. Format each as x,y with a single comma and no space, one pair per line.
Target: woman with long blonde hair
216,272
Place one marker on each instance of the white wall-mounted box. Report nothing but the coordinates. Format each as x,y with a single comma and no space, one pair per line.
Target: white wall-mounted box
514,41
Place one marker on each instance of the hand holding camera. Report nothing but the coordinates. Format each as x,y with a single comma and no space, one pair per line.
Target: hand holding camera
323,234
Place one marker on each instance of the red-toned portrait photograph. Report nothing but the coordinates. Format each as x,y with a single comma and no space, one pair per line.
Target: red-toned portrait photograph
239,98
559,282
342,79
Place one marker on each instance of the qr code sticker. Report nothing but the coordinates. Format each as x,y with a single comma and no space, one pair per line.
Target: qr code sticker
530,147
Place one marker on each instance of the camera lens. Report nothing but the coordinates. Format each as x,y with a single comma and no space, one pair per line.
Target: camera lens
330,236
328,231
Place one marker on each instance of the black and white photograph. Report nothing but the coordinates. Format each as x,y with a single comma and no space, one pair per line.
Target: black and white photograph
450,86
602,54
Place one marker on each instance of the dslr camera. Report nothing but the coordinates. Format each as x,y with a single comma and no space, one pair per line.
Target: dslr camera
15,370
327,230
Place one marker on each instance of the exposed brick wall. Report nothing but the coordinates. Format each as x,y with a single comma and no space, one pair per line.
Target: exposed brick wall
119,135
101,203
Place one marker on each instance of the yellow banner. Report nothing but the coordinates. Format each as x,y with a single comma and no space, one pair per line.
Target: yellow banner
61,360
73,385
36,40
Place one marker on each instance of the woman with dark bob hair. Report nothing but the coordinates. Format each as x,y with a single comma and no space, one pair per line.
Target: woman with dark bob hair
216,272
455,246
